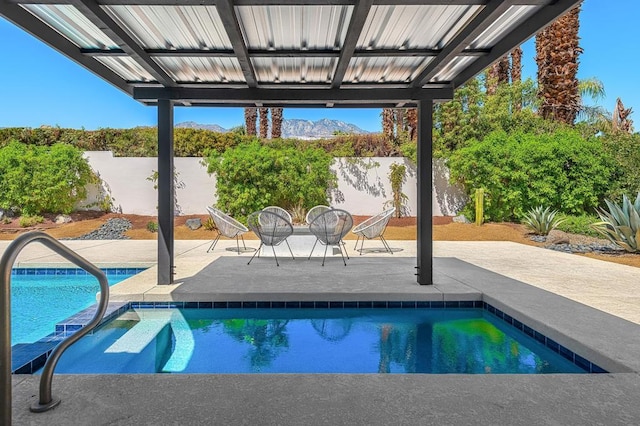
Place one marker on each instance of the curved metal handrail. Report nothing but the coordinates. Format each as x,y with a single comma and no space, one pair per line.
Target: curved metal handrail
46,401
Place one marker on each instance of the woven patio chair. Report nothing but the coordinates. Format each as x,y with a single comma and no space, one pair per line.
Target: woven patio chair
272,229
374,227
226,226
277,210
314,212
329,228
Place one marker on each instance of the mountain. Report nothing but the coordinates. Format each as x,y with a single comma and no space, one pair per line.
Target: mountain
194,125
324,128
294,128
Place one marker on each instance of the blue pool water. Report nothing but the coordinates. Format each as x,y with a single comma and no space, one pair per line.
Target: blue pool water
465,341
40,298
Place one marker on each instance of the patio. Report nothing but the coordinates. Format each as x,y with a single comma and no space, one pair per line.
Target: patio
462,271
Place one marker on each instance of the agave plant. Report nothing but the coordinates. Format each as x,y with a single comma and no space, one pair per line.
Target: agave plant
542,221
621,224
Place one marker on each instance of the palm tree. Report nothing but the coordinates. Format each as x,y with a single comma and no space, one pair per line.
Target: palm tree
276,123
497,74
621,121
594,89
557,52
264,122
516,75
388,119
250,117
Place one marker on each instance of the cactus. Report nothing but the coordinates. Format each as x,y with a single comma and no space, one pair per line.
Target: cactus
542,221
621,224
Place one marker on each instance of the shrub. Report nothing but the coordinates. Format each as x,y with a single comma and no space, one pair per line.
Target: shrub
252,176
27,221
579,224
41,179
519,171
621,224
542,221
625,149
152,226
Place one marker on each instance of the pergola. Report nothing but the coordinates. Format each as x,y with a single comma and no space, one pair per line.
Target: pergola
285,53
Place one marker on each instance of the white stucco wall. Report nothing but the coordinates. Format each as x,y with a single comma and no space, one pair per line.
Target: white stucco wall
363,185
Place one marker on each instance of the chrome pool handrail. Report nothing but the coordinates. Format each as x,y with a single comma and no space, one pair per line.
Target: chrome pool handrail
46,401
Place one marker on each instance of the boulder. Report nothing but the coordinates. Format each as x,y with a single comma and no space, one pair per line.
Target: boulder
558,237
193,224
62,219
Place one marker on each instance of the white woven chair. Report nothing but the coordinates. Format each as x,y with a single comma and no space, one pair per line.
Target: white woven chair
314,212
226,226
272,229
277,210
329,228
374,228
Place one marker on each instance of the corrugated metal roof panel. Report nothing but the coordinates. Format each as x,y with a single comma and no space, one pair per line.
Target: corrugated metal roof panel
382,69
294,27
454,67
68,21
126,68
291,70
503,25
173,27
202,69
395,27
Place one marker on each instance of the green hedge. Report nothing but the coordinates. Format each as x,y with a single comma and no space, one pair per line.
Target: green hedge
41,179
520,171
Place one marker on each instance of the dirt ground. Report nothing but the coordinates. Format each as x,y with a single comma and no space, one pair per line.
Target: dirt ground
398,229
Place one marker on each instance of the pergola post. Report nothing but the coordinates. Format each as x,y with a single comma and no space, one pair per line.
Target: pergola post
165,191
425,187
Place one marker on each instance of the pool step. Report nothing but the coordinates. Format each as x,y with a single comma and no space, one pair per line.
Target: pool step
150,329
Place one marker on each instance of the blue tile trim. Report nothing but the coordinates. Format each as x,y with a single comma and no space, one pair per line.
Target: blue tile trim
77,321
566,353
73,271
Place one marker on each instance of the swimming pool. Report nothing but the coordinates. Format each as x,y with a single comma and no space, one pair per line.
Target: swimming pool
42,297
436,341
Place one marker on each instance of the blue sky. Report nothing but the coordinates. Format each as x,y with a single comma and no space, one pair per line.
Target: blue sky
42,87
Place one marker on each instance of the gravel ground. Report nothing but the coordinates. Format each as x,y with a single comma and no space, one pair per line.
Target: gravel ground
581,244
112,229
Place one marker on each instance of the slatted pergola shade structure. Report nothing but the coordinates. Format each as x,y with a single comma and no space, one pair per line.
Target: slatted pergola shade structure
288,53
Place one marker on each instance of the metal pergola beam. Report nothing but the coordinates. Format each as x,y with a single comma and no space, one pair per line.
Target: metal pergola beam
165,192
232,27
287,53
358,19
92,10
424,268
291,2
470,32
516,37
300,96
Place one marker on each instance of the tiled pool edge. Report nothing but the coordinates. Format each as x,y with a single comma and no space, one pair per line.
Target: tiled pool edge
27,362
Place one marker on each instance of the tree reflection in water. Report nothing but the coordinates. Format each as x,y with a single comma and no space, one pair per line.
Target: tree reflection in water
268,338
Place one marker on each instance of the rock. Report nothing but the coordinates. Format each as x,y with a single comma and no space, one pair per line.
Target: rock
63,218
558,237
461,219
1,214
193,224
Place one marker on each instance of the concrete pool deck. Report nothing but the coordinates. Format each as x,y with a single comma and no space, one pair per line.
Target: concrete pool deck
538,286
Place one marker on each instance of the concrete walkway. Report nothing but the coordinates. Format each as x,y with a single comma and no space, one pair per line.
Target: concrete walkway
538,286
